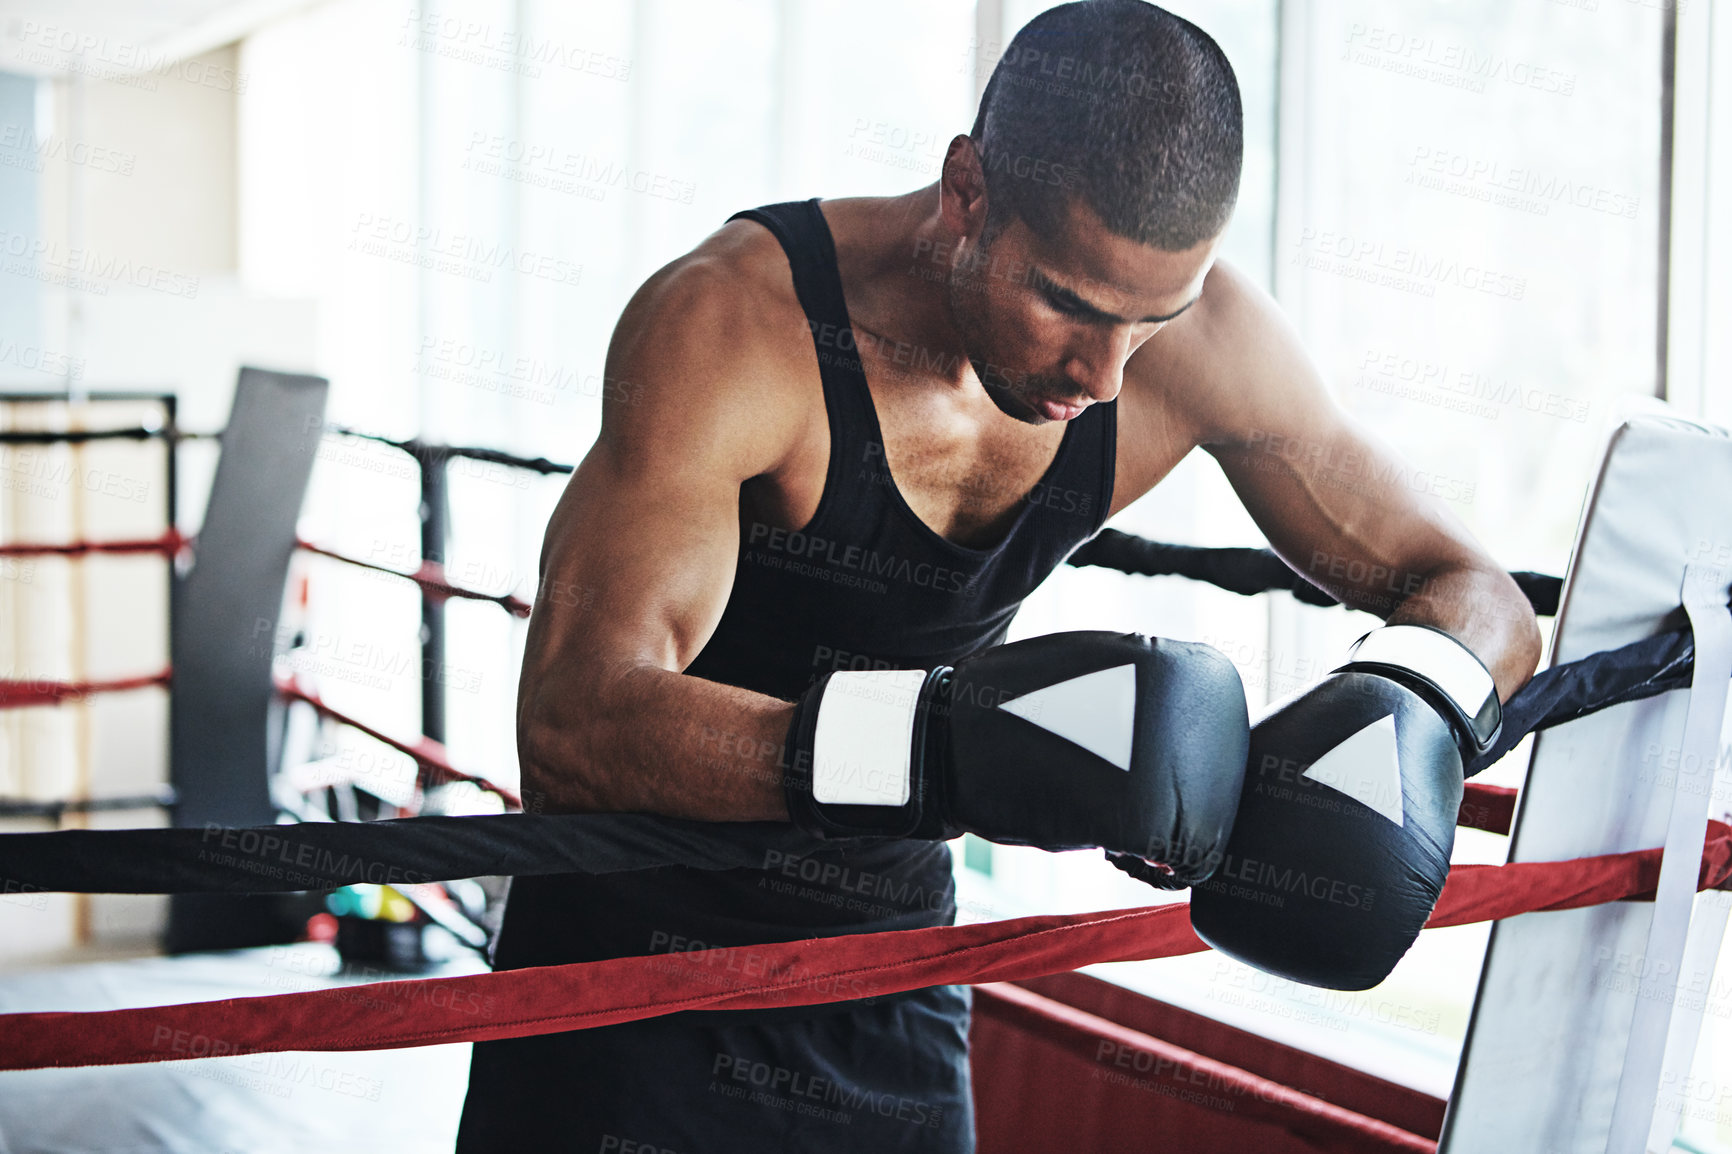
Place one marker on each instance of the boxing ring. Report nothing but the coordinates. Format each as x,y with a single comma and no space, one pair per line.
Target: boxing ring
1619,854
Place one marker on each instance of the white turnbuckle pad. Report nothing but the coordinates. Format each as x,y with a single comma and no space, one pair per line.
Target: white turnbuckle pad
1560,1054
1365,767
1097,711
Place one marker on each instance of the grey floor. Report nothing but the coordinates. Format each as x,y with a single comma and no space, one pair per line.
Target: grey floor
372,1101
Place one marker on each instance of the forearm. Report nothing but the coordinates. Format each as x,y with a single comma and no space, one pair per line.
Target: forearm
1484,610
648,740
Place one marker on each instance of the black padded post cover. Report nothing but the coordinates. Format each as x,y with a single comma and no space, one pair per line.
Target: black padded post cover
225,626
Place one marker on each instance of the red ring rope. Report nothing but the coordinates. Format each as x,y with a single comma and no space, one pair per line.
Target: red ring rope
430,757
430,577
18,694
550,999
167,545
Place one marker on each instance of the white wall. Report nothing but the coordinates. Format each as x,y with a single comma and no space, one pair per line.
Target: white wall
132,282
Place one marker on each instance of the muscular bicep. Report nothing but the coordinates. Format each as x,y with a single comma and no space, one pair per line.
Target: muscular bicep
639,556
637,563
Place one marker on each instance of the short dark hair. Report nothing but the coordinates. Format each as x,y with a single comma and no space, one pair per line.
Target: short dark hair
1123,104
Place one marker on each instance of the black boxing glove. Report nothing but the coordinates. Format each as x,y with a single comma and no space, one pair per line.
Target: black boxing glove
1062,742
1343,835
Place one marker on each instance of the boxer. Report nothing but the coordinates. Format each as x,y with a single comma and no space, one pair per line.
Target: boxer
872,427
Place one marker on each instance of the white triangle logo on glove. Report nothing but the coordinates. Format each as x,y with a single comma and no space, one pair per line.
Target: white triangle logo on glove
1097,711
1366,768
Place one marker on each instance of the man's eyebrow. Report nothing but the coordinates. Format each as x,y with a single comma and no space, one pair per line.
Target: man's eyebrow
1047,285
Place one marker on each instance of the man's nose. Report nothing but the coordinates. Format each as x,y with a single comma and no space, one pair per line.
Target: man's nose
1097,361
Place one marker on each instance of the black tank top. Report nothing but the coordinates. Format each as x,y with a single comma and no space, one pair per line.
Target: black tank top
866,584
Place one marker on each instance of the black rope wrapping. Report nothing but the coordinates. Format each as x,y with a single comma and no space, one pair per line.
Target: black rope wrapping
284,858
1642,669
56,808
1565,692
325,855
1249,571
168,433
76,436
429,452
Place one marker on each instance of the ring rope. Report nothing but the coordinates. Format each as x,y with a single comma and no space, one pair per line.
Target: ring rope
583,995
21,694
14,807
433,452
167,545
1249,571
430,757
1558,695
430,577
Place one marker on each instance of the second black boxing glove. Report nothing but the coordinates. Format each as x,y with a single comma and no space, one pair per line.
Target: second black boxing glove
1343,836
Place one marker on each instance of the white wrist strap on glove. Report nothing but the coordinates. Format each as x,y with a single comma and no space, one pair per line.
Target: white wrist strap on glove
1444,664
864,742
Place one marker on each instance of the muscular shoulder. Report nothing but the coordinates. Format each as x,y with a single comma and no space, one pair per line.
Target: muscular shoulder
713,356
1229,367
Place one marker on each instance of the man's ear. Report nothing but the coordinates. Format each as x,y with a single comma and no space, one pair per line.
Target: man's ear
962,191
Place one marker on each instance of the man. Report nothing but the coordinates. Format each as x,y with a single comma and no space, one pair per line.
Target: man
854,436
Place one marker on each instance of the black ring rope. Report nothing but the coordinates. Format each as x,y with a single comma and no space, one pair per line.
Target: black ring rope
54,809
321,855
1249,571
84,436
